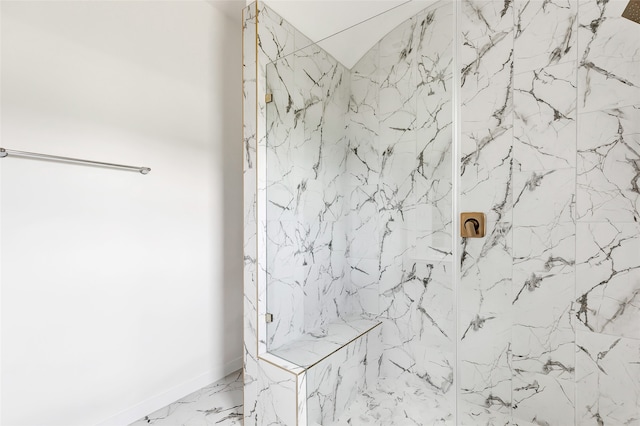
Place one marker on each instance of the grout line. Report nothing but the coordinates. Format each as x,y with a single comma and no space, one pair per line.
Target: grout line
244,357
455,204
575,228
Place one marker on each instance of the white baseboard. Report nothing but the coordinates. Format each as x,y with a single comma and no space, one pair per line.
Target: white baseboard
152,404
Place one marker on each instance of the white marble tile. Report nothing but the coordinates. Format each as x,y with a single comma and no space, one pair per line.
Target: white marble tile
217,404
487,67
486,174
335,382
277,390
607,380
396,171
543,400
419,325
544,268
486,147
543,295
434,124
397,103
484,367
395,227
546,351
545,118
276,37
608,165
483,18
306,151
431,229
473,415
608,278
326,289
434,80
544,197
364,159
363,227
398,403
250,388
484,319
486,270
546,33
396,187
303,406
250,307
373,359
609,56
364,277
434,50
423,301
285,270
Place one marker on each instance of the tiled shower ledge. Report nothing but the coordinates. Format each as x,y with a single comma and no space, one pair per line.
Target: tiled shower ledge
314,346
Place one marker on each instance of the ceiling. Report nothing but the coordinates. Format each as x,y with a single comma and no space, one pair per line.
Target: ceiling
319,19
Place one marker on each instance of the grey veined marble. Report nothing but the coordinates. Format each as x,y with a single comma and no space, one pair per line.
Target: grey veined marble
349,218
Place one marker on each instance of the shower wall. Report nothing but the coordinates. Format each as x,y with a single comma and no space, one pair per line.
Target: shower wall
608,216
548,303
400,184
295,263
306,147
359,168
550,149
357,195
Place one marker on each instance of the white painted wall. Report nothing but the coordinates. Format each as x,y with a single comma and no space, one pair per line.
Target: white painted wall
120,292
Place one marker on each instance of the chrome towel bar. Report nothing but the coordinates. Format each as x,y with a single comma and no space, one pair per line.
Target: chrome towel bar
10,152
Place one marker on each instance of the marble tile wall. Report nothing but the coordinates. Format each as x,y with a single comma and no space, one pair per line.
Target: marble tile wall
335,382
607,312
550,149
397,175
400,167
270,391
305,196
296,204
548,302
250,301
394,161
486,185
544,96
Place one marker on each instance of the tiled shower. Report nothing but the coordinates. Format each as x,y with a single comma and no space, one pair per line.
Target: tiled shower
363,305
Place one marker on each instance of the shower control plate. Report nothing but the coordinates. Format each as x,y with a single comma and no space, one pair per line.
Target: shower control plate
472,225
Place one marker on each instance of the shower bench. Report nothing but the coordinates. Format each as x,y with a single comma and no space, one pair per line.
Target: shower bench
333,362
311,348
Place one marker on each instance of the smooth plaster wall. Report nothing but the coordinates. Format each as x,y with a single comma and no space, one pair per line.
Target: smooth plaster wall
120,292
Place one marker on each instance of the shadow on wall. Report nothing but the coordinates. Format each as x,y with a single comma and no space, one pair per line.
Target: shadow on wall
228,86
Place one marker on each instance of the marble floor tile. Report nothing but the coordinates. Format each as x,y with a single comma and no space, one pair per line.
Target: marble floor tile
217,404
